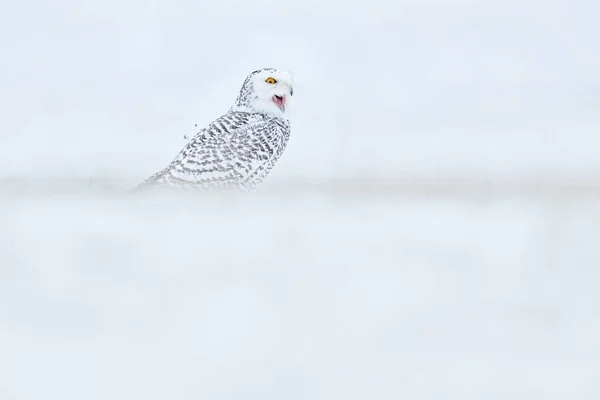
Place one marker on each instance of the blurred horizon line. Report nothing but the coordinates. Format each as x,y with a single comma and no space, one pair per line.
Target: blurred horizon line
352,186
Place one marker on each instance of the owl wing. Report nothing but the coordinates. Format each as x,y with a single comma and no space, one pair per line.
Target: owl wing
221,155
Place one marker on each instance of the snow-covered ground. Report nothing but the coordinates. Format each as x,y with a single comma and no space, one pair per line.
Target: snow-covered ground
430,233
298,296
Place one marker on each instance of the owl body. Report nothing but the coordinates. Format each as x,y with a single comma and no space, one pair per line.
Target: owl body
239,149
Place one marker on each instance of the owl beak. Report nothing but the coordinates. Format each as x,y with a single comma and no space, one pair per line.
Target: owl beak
280,102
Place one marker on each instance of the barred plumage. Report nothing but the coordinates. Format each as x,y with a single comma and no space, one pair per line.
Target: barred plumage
238,149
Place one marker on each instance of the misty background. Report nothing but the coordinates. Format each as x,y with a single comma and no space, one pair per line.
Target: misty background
430,232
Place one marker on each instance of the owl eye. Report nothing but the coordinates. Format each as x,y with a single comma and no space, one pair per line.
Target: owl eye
270,80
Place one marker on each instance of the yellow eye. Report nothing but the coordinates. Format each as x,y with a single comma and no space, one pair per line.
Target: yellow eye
270,80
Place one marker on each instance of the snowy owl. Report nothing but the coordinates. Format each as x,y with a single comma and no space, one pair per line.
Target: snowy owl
238,149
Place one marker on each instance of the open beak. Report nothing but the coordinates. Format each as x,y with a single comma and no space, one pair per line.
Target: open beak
279,101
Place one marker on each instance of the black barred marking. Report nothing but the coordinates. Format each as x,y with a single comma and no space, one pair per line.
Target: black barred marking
231,157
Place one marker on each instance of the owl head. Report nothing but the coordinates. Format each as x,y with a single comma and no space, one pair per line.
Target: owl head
267,91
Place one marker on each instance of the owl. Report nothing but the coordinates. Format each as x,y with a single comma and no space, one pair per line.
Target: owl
237,150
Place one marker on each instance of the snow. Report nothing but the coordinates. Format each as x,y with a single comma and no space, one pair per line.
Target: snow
430,233
298,296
